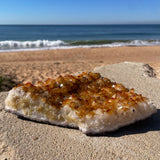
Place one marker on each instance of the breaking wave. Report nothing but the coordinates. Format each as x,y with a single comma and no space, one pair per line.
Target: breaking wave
59,44
7,45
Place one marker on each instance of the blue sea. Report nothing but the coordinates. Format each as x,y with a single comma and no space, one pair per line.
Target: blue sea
39,37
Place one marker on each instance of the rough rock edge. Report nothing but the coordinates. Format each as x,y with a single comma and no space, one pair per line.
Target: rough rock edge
149,71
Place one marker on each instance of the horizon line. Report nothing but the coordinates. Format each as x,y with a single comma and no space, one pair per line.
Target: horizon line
91,24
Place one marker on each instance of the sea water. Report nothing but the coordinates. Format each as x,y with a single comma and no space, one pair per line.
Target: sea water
35,37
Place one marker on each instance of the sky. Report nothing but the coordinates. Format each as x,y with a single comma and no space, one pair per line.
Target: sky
79,11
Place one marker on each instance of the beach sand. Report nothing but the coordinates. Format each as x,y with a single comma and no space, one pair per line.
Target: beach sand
32,66
21,139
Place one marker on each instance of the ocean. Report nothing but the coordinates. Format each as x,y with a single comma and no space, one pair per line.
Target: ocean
40,37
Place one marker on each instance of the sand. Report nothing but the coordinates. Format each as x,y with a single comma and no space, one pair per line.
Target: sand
33,66
22,139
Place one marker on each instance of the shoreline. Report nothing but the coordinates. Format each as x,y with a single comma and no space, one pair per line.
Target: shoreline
116,44
145,54
32,66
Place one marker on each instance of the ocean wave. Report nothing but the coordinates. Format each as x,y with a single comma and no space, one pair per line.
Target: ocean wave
6,46
30,44
137,43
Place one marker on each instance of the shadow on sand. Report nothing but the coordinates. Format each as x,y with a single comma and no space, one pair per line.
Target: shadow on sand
150,124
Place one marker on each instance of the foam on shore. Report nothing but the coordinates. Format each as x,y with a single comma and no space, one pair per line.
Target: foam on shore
10,45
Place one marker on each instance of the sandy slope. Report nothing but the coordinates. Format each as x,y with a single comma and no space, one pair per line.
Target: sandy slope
31,66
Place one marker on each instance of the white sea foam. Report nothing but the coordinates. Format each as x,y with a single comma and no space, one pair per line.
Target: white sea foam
30,44
8,46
